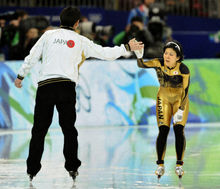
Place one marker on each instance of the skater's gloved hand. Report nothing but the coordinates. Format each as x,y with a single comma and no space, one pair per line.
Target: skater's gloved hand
139,53
178,116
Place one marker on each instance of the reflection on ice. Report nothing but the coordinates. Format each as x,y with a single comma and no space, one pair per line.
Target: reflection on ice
119,157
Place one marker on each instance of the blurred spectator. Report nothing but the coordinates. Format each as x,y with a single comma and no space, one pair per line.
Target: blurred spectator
10,34
215,38
31,38
136,3
135,29
153,35
86,28
99,34
197,9
2,23
141,11
159,30
22,33
126,4
39,22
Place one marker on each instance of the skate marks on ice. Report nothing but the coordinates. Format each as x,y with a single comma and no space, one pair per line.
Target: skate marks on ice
113,158
13,176
53,176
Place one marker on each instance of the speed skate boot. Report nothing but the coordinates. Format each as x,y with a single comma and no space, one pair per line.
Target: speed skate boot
73,174
179,171
160,171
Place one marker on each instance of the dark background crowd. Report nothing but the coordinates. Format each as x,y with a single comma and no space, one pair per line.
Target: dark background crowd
146,22
19,32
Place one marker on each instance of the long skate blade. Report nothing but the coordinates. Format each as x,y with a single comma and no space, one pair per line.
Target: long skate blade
158,179
74,178
31,178
180,181
31,186
73,186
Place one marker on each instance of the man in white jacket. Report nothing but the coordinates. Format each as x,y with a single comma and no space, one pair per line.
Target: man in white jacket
61,52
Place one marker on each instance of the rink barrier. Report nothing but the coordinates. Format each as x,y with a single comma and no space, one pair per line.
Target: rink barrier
118,94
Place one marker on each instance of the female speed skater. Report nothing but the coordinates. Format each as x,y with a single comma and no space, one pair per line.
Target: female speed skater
172,100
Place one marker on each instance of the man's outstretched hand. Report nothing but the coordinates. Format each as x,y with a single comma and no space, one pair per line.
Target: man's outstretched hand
135,45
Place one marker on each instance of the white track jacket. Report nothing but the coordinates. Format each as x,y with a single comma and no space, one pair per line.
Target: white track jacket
62,51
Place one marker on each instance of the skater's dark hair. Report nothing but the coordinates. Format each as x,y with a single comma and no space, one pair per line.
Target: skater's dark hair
69,16
177,47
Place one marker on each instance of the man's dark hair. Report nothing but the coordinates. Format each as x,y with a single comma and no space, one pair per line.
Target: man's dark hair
69,16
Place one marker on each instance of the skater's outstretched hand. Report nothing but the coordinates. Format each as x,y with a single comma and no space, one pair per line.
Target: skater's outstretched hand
18,83
139,53
135,45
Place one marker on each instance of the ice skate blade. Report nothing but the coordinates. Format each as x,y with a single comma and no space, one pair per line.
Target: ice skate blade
180,183
74,186
158,179
30,177
73,174
74,179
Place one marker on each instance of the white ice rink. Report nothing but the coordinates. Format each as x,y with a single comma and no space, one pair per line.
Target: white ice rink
113,157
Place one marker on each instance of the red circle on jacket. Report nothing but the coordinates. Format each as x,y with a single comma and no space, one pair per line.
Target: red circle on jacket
70,43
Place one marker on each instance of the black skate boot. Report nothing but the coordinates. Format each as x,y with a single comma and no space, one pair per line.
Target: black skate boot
73,174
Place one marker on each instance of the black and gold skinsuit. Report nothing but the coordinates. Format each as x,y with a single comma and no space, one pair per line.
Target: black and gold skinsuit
172,95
